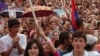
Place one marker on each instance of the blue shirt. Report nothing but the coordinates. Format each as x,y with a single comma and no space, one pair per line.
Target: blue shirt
62,53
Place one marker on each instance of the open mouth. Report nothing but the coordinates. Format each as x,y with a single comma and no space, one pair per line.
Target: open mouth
78,47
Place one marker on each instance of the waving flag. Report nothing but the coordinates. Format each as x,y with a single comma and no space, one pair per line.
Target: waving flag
74,17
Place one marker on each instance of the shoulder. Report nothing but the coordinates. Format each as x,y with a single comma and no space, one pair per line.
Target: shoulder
5,37
21,35
56,53
93,53
96,31
68,54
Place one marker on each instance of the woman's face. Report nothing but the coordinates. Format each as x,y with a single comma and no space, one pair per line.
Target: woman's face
56,36
90,30
53,25
34,50
78,44
45,47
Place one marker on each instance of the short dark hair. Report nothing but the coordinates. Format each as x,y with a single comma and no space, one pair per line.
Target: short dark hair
79,34
98,24
79,22
64,36
38,43
13,22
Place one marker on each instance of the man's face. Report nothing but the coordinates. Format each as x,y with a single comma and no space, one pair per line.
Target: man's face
78,44
15,29
30,27
47,31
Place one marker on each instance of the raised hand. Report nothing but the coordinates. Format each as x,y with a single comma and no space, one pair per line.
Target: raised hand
15,41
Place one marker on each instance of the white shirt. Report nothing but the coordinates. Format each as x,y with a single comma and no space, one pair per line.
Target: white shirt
71,54
2,49
96,33
7,40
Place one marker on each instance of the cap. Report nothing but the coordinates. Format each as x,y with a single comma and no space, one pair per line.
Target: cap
91,39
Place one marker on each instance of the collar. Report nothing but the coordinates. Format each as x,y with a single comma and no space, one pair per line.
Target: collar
85,53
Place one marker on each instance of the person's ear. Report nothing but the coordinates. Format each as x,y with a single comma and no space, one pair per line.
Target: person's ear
72,43
85,44
65,41
9,29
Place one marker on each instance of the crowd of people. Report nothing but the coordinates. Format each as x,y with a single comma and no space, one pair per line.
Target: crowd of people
54,35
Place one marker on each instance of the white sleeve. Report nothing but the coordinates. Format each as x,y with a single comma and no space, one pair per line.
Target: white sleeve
23,41
3,46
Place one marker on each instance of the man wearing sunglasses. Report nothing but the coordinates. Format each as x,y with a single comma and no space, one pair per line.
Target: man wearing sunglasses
14,42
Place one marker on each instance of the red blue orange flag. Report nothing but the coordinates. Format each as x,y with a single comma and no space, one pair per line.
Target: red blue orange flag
74,16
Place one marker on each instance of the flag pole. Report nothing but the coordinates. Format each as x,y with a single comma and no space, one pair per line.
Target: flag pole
33,12
64,2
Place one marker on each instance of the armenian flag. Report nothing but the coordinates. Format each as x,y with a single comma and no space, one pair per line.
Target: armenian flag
74,16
